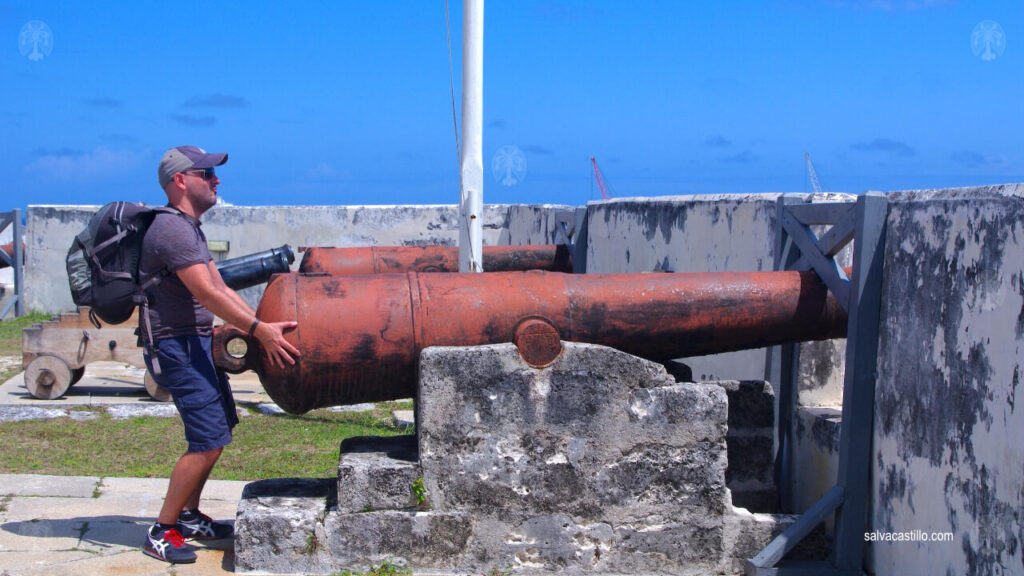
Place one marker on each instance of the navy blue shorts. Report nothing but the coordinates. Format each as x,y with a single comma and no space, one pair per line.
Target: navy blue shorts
200,391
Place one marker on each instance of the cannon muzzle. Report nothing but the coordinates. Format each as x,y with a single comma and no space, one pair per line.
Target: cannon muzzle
360,336
253,269
393,259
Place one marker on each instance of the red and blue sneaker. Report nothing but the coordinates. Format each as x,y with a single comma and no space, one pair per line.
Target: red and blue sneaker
167,544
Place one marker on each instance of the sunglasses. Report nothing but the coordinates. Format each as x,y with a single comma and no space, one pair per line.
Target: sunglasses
205,173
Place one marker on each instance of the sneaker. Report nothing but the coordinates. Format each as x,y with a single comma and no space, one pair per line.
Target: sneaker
201,527
168,545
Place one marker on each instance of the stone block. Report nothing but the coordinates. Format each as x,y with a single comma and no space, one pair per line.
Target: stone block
751,404
279,527
377,473
434,540
598,435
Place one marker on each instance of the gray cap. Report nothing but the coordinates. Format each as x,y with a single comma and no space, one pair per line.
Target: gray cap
183,158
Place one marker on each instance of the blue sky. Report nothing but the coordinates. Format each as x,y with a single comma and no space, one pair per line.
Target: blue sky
350,102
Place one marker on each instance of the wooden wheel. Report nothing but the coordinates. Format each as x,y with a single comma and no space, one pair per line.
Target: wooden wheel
47,377
156,391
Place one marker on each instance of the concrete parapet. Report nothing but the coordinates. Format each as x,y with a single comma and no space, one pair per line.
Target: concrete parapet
947,452
248,229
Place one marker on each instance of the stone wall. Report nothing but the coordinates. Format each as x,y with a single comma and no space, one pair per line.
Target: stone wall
248,229
947,450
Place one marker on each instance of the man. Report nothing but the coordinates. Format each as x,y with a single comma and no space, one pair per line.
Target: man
181,312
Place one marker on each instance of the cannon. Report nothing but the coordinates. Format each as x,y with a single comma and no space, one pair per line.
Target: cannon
360,336
55,352
250,270
388,259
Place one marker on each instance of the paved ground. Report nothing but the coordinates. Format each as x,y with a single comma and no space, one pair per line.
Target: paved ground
85,526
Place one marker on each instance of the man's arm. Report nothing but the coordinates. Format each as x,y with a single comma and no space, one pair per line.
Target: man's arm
209,288
218,281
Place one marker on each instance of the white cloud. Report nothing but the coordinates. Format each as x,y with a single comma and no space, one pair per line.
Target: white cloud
100,163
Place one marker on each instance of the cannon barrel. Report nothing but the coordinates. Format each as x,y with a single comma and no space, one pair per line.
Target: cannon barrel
360,336
8,249
257,268
392,259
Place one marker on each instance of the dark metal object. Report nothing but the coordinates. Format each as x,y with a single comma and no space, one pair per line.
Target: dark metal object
253,269
391,259
360,336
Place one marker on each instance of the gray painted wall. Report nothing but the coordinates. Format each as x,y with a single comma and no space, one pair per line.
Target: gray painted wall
948,454
248,229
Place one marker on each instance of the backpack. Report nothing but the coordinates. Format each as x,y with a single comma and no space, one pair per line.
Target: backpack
103,263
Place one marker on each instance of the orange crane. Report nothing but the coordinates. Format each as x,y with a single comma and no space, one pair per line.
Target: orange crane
601,185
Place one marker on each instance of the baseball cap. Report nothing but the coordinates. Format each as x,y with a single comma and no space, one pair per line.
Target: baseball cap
183,158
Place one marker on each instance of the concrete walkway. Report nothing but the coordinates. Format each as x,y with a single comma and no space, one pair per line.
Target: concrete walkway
85,526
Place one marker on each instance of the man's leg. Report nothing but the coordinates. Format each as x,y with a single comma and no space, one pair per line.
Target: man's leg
186,485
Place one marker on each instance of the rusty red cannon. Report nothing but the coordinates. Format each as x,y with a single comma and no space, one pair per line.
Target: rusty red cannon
387,259
360,336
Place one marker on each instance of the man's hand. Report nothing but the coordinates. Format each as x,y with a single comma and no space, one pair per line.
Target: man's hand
279,351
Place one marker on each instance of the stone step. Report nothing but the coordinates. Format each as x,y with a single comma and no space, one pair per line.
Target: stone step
378,473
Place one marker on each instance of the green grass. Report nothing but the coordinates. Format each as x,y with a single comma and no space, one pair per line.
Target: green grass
265,446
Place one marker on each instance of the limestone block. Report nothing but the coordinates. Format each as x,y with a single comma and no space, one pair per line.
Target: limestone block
599,437
417,539
377,473
280,526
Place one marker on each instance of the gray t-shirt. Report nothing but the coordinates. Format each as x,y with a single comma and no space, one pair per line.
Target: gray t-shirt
174,241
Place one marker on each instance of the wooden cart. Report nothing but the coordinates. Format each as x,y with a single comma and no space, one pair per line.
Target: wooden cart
56,352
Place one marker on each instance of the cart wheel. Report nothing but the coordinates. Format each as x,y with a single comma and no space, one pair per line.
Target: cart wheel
156,391
47,377
76,374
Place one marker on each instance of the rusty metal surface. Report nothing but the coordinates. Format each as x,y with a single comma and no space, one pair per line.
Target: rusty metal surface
360,336
397,259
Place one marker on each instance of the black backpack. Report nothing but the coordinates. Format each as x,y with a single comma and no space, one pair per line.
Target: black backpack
103,263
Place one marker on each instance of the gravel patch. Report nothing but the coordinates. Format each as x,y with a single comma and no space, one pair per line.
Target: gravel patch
82,415
19,413
270,409
353,408
122,411
7,362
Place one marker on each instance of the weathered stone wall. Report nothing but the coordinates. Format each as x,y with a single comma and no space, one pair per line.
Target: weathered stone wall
712,233
248,229
599,464
948,455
